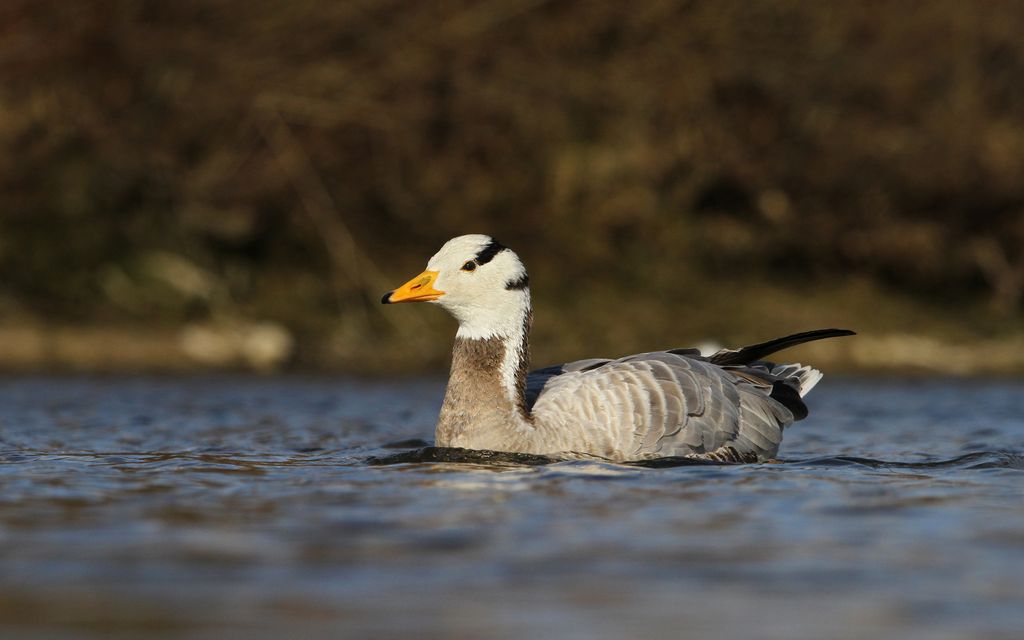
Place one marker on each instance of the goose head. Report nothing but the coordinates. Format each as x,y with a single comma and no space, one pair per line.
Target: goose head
482,283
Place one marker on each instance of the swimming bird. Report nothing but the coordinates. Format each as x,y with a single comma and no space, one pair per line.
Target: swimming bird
730,406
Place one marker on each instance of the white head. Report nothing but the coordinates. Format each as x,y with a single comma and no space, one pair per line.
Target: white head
479,281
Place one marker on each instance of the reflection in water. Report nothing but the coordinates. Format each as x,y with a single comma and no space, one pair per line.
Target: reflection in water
977,460
301,507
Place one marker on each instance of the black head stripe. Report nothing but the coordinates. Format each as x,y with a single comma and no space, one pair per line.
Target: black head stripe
519,283
487,253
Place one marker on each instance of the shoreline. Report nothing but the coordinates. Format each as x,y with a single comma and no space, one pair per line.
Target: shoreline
268,348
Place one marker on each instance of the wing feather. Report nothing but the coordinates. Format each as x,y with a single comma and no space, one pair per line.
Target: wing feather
660,403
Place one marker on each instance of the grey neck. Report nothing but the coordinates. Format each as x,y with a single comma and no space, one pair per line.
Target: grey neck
485,403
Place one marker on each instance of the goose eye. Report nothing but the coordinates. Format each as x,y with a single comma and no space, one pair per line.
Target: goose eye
469,266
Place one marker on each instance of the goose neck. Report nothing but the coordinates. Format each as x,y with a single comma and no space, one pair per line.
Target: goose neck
485,403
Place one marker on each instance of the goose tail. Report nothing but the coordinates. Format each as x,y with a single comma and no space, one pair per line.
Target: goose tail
801,377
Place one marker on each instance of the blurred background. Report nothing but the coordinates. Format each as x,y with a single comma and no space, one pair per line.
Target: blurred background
233,184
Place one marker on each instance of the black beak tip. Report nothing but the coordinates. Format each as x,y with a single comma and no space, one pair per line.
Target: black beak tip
387,298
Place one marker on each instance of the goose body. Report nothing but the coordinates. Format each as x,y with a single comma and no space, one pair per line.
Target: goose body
730,406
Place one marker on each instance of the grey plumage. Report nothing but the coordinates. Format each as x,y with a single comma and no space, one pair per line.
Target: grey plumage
679,403
663,404
731,406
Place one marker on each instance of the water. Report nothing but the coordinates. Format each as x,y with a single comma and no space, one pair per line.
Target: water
245,507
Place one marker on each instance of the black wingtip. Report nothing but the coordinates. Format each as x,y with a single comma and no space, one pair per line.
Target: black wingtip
790,398
755,352
387,298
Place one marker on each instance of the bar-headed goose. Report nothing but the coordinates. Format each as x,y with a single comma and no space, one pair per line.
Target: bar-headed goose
730,406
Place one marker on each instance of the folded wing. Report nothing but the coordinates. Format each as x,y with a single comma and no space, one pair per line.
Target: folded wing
730,406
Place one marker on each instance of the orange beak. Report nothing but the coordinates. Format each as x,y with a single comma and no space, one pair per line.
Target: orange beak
419,289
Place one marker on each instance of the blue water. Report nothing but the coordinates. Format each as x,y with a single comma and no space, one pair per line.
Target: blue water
245,507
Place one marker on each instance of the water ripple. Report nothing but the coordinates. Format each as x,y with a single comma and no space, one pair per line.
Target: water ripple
974,460
266,507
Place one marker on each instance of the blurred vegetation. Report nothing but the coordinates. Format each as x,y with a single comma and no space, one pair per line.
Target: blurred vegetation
215,170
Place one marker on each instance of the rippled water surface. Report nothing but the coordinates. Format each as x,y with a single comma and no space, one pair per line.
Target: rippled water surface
245,507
